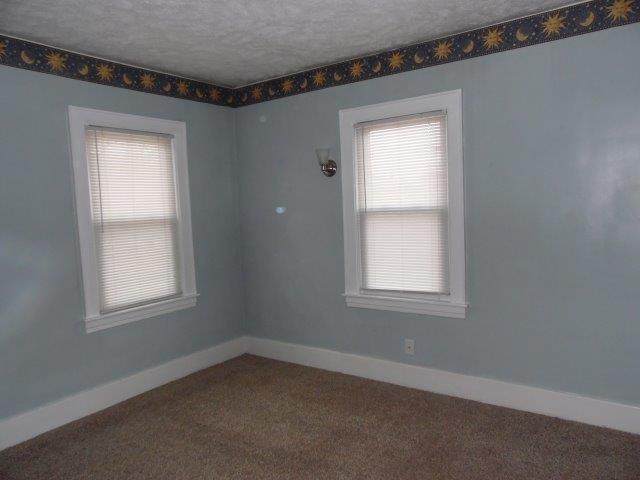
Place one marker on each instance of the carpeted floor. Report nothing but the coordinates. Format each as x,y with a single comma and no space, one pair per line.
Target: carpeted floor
254,418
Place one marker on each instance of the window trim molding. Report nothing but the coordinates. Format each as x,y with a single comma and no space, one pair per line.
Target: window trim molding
452,305
79,119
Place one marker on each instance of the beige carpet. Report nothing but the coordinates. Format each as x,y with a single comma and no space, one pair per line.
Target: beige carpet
255,418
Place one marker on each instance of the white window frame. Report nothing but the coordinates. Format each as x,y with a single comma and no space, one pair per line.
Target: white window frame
79,120
454,304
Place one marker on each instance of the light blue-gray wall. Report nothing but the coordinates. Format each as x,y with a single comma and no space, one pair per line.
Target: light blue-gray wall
552,194
45,353
552,171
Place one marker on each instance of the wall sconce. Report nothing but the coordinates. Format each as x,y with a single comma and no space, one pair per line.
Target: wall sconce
328,166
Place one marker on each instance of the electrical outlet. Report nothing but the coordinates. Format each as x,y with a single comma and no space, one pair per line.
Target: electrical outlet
409,346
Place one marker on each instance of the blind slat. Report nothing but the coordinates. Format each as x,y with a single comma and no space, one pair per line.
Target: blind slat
134,212
402,204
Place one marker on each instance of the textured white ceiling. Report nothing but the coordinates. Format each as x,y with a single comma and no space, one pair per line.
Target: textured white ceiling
234,43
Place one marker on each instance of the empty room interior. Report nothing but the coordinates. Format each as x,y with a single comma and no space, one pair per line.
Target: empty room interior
329,239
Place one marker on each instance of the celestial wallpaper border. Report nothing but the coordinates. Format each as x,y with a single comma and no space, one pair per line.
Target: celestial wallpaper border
540,28
523,32
40,58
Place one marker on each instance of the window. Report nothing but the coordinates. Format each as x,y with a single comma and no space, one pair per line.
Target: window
403,205
133,212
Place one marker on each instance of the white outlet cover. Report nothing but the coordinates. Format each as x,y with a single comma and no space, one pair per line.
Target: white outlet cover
409,346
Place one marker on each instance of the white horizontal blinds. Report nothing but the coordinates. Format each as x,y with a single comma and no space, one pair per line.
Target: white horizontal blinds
133,204
402,203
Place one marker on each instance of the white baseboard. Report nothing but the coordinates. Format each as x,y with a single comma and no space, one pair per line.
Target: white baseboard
19,428
568,406
24,426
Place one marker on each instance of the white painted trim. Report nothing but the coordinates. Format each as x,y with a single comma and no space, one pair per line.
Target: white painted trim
24,426
138,313
568,406
79,119
451,102
408,305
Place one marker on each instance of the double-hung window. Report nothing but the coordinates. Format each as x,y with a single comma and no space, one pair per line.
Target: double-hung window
133,213
403,205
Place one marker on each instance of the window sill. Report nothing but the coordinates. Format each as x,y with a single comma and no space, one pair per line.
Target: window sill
101,322
407,305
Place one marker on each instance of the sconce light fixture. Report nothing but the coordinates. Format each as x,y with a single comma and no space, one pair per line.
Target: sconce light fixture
328,166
